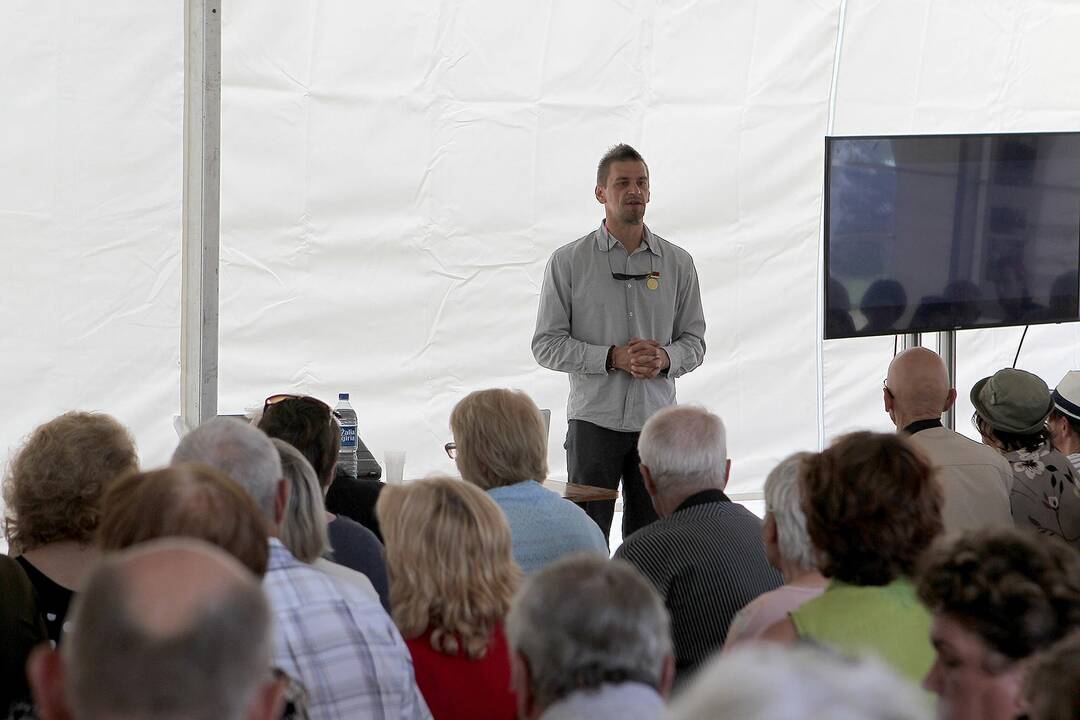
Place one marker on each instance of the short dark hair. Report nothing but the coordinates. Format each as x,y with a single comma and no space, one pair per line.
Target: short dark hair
307,424
872,507
617,153
1017,591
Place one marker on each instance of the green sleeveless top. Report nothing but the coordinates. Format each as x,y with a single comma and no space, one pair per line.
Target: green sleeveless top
887,621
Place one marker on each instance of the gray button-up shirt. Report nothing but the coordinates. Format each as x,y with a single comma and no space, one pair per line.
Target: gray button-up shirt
584,311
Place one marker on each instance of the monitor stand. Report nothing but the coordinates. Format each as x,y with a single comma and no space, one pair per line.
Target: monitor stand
947,350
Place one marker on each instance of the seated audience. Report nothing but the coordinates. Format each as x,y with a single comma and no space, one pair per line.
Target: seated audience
21,628
187,500
802,682
52,492
452,576
589,639
872,509
1053,683
501,447
975,480
309,426
303,529
1011,409
334,638
998,596
704,555
1064,421
171,629
789,550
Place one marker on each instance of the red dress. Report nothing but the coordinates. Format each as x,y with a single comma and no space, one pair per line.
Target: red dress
457,688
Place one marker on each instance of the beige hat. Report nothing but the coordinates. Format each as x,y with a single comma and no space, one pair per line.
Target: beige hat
1012,401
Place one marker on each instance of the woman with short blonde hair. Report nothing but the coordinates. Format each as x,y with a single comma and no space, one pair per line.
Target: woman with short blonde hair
452,577
501,447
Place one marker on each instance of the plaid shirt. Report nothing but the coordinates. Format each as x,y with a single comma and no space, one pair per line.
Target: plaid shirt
340,644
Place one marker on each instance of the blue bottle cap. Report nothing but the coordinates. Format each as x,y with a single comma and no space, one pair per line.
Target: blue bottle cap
343,396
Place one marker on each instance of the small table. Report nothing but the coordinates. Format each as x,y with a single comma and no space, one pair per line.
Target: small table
581,493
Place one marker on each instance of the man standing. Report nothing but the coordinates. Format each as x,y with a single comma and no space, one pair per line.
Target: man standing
620,312
976,483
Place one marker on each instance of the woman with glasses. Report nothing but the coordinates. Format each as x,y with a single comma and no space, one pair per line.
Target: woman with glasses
308,425
452,576
1011,409
500,445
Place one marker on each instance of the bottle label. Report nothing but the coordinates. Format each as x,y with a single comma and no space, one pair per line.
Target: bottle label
348,438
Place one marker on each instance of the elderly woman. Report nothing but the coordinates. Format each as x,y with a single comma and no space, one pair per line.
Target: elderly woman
1011,410
452,577
501,447
998,597
789,550
53,491
303,529
872,508
308,425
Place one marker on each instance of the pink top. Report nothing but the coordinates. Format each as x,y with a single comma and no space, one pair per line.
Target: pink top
755,618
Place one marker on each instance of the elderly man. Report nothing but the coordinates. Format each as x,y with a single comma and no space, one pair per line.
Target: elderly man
705,555
173,628
330,635
604,656
976,481
1064,420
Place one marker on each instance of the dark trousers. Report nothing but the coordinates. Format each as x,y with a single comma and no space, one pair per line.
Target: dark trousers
601,457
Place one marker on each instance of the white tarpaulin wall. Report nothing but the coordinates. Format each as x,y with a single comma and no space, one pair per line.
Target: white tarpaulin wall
395,175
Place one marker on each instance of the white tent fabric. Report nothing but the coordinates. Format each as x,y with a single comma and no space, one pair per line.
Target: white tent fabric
395,175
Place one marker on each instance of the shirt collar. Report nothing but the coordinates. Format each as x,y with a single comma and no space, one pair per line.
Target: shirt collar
920,425
705,496
604,240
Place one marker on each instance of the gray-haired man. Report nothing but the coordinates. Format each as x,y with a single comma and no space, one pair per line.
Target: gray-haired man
604,656
704,555
172,628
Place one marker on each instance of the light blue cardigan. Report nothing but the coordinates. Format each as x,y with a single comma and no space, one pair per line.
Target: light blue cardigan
544,526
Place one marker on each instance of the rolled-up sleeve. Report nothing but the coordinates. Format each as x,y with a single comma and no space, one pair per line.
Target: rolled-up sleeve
553,346
687,348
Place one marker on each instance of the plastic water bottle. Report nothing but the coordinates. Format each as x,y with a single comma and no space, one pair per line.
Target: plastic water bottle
347,419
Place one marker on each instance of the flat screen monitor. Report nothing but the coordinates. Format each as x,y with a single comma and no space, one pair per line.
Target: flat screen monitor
925,233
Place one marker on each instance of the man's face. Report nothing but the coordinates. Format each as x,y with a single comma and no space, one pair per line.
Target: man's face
626,192
965,679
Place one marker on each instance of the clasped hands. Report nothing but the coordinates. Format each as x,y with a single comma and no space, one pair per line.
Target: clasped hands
644,359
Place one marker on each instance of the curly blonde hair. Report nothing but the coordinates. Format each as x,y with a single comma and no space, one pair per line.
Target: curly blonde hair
54,485
450,562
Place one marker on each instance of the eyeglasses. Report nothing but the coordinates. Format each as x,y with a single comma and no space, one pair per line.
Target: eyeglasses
451,450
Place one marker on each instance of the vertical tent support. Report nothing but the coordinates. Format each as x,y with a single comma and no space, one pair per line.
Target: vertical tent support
201,212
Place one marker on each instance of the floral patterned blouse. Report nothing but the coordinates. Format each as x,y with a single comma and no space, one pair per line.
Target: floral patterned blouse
1046,492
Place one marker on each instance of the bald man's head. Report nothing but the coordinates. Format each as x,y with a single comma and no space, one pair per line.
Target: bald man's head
917,387
170,628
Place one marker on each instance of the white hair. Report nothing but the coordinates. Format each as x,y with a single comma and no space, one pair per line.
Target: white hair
798,682
241,451
585,620
685,448
782,499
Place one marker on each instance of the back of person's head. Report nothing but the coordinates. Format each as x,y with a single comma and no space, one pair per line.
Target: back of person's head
500,438
584,621
308,425
1017,591
685,449
53,487
784,504
242,452
304,528
187,500
774,682
918,383
450,560
171,629
872,505
1053,684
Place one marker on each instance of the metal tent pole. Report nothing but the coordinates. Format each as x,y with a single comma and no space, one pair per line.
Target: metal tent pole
201,212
